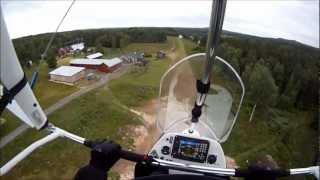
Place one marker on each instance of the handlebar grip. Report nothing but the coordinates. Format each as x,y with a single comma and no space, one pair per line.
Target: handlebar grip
131,156
127,155
262,172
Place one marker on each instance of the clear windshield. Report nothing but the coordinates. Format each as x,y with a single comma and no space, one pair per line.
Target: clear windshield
178,93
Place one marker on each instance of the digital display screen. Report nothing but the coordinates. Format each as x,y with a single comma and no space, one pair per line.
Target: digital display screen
190,149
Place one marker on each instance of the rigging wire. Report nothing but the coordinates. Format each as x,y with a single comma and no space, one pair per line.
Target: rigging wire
44,54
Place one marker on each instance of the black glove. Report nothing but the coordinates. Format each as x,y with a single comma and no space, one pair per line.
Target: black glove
260,173
104,154
264,171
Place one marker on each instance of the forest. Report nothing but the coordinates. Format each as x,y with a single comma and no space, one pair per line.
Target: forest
276,72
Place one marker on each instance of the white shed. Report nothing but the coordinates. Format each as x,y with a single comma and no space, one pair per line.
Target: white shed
67,74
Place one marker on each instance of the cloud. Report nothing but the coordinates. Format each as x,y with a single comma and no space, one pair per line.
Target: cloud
295,20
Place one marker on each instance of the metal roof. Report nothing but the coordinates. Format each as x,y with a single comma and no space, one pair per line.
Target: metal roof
108,62
112,62
77,46
86,61
66,70
95,55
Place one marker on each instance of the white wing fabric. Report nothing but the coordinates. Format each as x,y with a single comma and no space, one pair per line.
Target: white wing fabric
25,105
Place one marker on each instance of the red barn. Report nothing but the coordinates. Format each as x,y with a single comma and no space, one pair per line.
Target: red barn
102,65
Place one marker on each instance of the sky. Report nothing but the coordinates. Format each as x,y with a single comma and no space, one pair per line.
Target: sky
295,20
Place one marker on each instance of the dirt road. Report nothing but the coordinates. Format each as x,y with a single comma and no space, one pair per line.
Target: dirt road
146,135
13,134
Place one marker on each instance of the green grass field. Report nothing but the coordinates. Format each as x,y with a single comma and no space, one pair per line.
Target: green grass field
96,114
140,84
46,92
10,123
111,52
101,119
293,146
188,46
150,48
64,61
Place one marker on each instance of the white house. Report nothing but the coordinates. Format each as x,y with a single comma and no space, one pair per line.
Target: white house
77,46
67,74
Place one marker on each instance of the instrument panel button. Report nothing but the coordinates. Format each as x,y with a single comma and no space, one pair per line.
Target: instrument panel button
171,140
165,150
212,159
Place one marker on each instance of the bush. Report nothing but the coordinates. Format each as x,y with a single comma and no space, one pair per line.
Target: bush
147,55
284,102
51,59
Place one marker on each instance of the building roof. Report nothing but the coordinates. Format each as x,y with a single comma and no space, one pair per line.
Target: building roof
95,55
66,70
112,62
86,61
108,62
77,46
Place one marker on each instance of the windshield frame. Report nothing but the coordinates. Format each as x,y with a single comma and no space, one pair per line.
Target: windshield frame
164,128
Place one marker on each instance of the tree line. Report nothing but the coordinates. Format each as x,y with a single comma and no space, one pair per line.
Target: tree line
31,47
277,73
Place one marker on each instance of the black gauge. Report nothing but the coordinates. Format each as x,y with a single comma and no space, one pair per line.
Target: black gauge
165,150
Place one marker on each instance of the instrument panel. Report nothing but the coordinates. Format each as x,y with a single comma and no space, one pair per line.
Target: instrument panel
182,148
190,149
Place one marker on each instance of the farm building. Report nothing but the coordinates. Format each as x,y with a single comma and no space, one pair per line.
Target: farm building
95,55
102,65
67,74
132,58
161,54
77,46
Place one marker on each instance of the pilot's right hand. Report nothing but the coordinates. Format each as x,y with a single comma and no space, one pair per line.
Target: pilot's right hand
262,169
104,154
